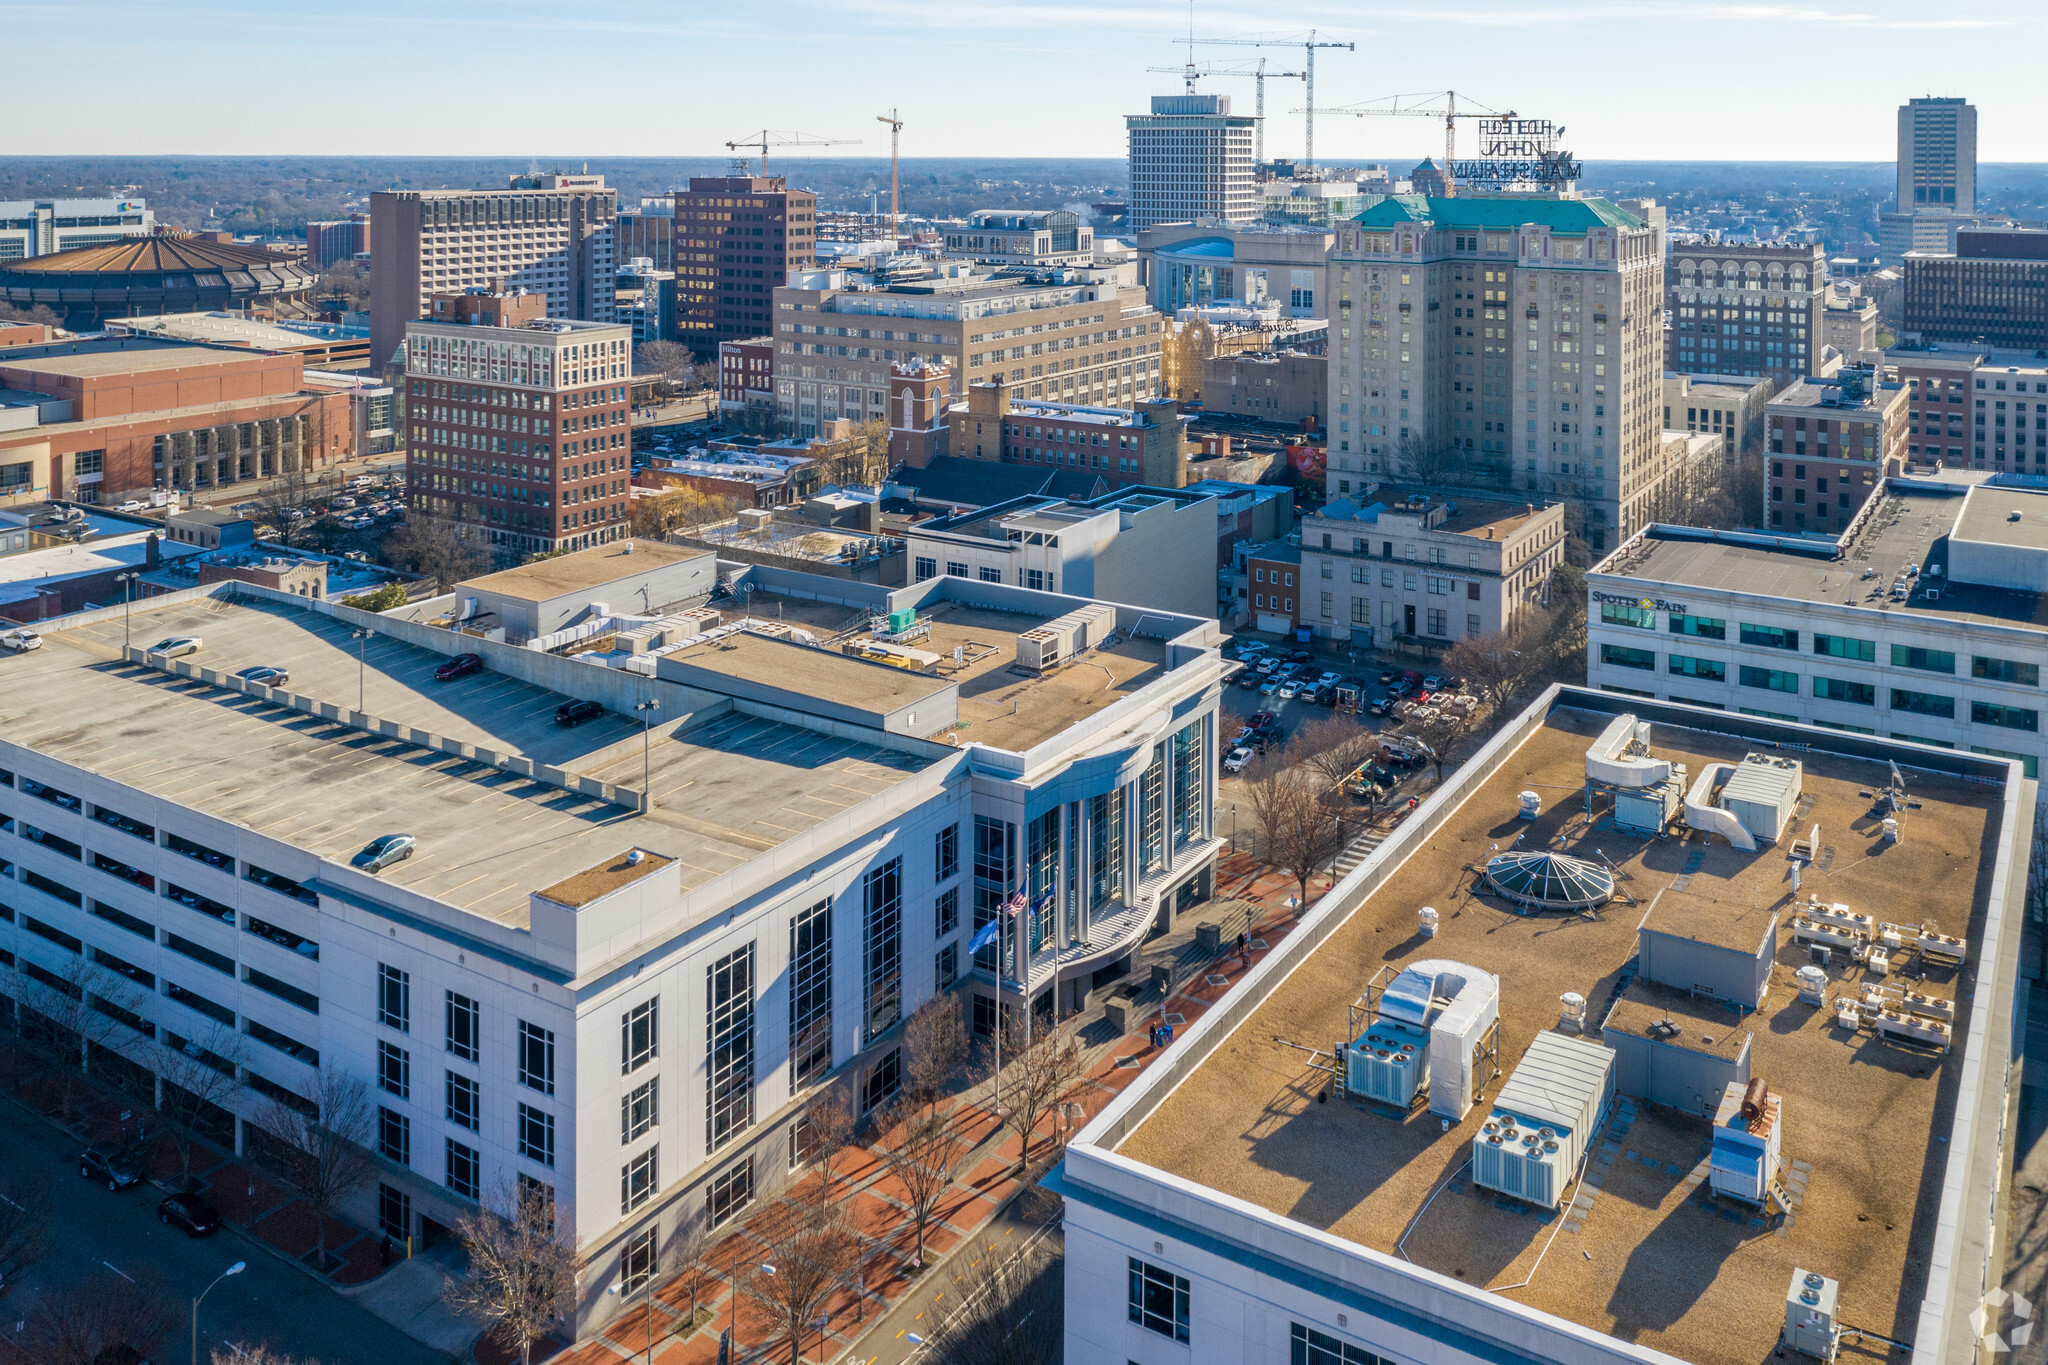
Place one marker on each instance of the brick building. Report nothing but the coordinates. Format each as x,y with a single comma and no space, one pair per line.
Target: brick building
920,427
519,432
342,239
1831,442
746,376
109,418
1754,311
1969,406
1276,386
1993,291
1139,445
736,239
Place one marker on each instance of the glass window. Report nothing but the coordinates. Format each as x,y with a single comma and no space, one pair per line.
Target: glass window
464,1031
810,994
731,1191
394,1070
1770,679
1319,1348
884,1080
1929,660
1622,656
2005,670
995,868
1923,703
1187,783
2009,717
640,1110
1105,848
1838,689
394,998
882,937
464,1104
638,1043
946,914
1845,647
536,1135
1152,814
1770,637
729,1043
464,1170
1626,614
639,1179
637,1261
394,1136
1711,670
536,1058
2028,762
946,853
1159,1300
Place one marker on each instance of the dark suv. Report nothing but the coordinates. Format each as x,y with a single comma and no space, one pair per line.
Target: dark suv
112,1169
573,713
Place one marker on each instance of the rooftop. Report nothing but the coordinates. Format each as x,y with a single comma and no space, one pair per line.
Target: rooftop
23,575
1648,1264
88,361
1833,395
1504,212
1469,515
584,570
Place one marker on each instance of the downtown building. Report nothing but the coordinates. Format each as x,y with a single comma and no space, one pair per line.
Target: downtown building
1975,407
1832,442
1991,290
1515,339
43,227
548,234
1753,311
585,981
518,424
1937,177
1190,161
736,240
341,239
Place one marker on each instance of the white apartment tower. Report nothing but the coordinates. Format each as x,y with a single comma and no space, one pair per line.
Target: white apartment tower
1191,159
1938,156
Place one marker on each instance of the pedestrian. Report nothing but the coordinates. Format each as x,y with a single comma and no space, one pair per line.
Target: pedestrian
385,1249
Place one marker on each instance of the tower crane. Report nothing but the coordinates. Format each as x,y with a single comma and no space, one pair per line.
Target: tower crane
895,130
768,137
1444,106
1192,73
1308,45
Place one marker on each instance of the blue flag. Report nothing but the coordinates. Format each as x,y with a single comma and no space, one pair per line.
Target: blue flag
985,935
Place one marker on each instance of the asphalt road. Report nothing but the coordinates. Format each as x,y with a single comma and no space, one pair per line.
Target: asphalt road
101,1235
889,1341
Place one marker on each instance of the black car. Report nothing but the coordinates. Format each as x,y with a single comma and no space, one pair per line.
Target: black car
461,666
573,713
190,1212
112,1169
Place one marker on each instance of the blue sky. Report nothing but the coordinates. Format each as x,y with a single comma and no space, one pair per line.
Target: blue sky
1659,79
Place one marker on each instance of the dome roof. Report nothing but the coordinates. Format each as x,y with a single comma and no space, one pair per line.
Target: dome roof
167,272
158,254
1550,881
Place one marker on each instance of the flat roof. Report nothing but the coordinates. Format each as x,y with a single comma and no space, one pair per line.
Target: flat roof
1703,1026
1737,925
725,790
582,571
1987,515
21,575
139,359
825,672
1650,1263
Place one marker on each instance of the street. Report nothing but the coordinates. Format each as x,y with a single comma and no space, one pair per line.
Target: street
914,1315
95,1233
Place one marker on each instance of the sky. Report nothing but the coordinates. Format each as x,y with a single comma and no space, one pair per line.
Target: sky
568,79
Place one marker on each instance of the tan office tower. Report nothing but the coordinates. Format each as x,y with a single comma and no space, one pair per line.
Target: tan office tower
1191,159
549,234
736,240
1512,339
1938,156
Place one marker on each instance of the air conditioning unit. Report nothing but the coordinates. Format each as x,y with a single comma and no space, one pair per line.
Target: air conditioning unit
1810,1324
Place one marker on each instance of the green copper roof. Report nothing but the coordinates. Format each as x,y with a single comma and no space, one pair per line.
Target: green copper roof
1500,213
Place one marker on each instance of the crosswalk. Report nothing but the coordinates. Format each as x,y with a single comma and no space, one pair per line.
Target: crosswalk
1358,850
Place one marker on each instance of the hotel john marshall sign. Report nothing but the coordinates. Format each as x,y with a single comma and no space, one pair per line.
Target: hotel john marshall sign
1518,151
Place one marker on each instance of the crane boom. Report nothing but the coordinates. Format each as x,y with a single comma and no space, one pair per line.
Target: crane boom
1308,46
768,137
1444,106
1191,73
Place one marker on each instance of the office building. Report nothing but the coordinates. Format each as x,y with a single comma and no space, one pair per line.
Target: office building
1190,161
1142,444
165,272
1256,265
1938,156
648,231
1287,387
1991,291
1728,406
343,239
1392,567
547,234
484,990
1849,318
737,239
109,420
1516,337
1833,441
746,377
1062,336
1746,310
517,424
1969,406
1142,546
1044,237
43,227
645,300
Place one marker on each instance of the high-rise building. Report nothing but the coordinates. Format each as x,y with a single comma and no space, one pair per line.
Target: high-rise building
1938,156
1832,441
40,227
1752,310
341,239
547,234
737,238
648,231
517,423
1191,159
1512,338
1992,290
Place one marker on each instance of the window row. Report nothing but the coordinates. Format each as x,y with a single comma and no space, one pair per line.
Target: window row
1825,688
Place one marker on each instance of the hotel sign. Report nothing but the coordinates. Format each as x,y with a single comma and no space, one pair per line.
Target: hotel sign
1518,150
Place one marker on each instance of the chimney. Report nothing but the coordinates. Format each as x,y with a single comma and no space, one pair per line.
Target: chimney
152,552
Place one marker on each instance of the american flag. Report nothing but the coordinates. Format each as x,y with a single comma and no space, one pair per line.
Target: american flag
1014,904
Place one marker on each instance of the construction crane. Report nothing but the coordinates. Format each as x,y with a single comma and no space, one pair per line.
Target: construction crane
1192,73
895,130
768,137
1400,106
1308,45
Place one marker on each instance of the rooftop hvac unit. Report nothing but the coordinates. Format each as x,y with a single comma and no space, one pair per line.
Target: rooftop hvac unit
1544,1119
1762,792
755,518
1839,915
1746,1141
1046,647
1097,623
1621,756
1810,1324
1430,1025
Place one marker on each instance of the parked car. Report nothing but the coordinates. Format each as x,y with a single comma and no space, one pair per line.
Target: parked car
266,675
1267,736
191,1213
1269,686
1258,718
461,666
383,852
132,505
1237,759
1434,682
1288,690
115,1170
1400,687
1387,675
1299,656
21,641
171,646
1328,679
1380,706
1250,679
571,714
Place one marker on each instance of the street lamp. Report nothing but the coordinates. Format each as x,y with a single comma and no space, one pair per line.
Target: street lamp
360,637
127,581
646,709
237,1268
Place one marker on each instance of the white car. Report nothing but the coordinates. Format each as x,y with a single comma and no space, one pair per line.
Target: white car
1237,759
1328,680
21,641
1288,691
172,646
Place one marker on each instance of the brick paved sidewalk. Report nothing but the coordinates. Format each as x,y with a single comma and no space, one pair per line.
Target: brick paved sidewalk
989,1181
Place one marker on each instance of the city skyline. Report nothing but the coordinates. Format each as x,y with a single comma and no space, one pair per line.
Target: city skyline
961,82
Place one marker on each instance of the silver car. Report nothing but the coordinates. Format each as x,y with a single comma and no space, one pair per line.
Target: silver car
172,646
382,852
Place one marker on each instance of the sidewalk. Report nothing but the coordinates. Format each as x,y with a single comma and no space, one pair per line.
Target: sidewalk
1111,1062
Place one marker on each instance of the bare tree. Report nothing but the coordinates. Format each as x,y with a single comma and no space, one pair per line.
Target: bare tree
24,1225
1040,1072
327,1152
811,1249
522,1268
862,458
287,501
828,1126
1495,665
1331,746
1011,1311
199,1077
935,1046
679,509
258,1355
1436,730
73,1012
1300,829
349,283
41,312
921,1150
435,547
667,359
1429,464
689,1260
87,1323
